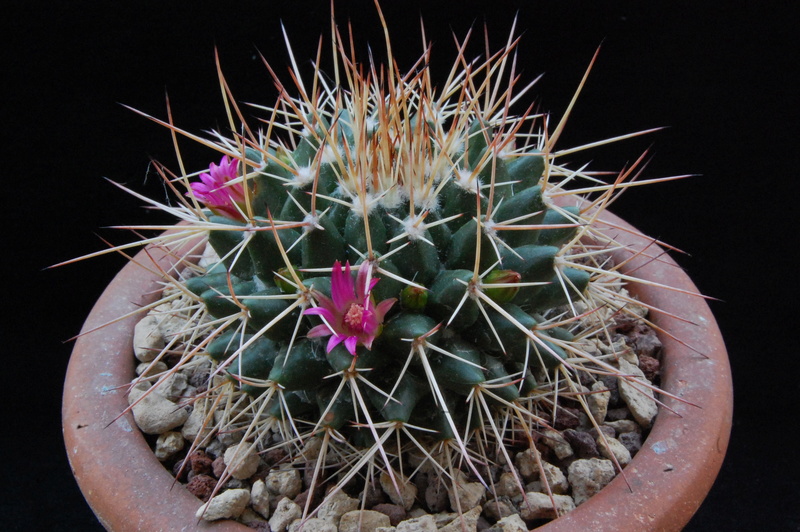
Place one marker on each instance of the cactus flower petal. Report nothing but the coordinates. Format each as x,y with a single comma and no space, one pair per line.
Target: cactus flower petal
350,315
217,193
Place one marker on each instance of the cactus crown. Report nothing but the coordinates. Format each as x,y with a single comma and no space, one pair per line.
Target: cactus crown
398,266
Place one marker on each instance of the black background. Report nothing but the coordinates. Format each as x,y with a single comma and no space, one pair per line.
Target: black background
719,75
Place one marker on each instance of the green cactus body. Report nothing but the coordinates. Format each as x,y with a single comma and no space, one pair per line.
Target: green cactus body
438,259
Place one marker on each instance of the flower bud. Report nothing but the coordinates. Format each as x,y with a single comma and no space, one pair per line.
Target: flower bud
281,280
414,298
502,294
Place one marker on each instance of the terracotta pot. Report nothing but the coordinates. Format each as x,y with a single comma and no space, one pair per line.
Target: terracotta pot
129,489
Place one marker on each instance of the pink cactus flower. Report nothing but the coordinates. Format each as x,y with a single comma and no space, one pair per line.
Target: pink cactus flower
350,315
215,191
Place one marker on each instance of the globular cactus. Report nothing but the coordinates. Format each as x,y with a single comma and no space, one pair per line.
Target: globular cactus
459,255
398,268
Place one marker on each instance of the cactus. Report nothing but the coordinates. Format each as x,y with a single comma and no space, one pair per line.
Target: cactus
398,269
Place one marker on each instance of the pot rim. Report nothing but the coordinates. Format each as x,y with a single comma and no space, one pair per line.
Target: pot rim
663,486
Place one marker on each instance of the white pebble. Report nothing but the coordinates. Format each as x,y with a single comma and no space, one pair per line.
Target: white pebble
624,425
407,490
598,401
155,414
363,521
468,494
168,444
555,478
284,482
241,460
230,503
637,396
259,498
312,525
286,512
511,523
540,506
147,339
558,443
468,522
150,369
588,476
614,448
335,506
424,523
526,464
508,485
173,386
197,424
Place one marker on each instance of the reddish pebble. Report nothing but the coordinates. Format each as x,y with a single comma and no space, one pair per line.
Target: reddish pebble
218,466
200,462
202,486
649,366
